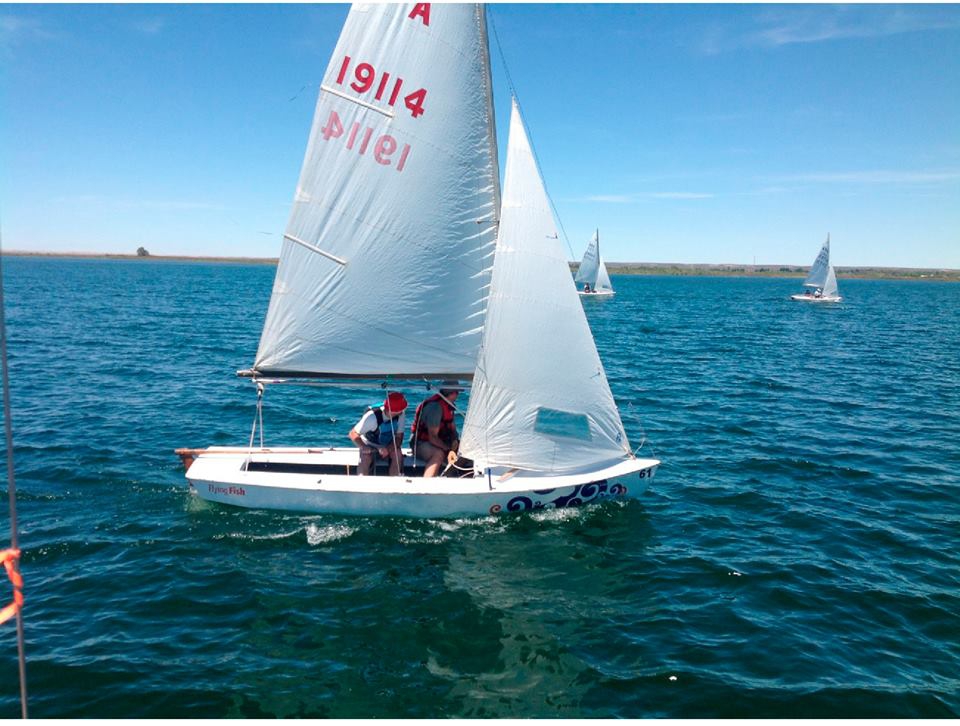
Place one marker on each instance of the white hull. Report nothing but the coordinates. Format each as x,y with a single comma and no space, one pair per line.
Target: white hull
601,294
310,480
811,298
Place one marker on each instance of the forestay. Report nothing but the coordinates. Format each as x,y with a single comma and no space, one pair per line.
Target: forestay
386,260
540,399
818,271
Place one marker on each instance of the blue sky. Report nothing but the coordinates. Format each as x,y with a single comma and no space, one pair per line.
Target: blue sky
685,133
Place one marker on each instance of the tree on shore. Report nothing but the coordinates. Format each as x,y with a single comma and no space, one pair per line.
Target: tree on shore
142,252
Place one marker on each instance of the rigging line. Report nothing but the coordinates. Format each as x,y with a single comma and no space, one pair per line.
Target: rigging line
503,59
451,404
397,452
533,148
260,413
257,416
12,487
644,439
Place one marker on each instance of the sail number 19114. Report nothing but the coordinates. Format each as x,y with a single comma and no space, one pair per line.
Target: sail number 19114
365,80
361,139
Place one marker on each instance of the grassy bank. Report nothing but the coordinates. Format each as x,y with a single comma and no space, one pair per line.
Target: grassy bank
862,273
614,268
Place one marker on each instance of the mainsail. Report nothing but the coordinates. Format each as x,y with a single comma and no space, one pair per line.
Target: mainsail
540,399
820,267
590,264
386,261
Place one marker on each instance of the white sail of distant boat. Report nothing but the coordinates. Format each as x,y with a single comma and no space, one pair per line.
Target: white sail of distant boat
603,280
821,282
393,272
592,273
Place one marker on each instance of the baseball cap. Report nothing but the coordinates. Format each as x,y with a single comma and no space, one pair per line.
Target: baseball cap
395,402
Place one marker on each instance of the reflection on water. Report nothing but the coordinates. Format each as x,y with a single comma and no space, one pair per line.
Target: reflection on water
556,588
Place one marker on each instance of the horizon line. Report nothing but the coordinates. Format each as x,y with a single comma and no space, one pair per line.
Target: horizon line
275,260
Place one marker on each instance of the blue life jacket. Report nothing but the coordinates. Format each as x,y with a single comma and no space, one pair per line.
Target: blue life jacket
387,428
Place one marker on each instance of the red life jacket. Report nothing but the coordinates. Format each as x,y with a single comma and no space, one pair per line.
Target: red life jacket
448,429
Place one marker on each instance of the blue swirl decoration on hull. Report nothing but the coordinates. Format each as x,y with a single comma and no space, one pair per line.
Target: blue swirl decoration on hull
581,494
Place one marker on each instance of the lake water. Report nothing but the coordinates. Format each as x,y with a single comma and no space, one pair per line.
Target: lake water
796,556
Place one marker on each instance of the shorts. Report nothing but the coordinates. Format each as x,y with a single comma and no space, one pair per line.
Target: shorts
424,450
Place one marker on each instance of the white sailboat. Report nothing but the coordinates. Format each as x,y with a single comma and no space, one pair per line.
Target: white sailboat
397,182
592,273
821,283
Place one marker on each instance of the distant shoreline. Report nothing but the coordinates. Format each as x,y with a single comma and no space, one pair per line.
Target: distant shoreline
143,258
614,268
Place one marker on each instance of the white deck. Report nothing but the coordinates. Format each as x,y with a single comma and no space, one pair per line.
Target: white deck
231,476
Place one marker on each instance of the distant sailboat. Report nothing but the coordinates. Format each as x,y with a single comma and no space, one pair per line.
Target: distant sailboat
393,185
592,273
821,283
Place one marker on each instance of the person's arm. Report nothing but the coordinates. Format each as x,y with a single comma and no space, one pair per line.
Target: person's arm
357,434
453,454
363,443
433,436
432,418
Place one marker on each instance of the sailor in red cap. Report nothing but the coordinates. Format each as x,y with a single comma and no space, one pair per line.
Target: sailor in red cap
379,434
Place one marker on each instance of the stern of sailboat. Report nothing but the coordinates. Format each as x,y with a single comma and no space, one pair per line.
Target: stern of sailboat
188,456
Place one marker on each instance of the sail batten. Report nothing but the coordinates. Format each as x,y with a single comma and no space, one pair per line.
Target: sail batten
314,249
388,250
372,106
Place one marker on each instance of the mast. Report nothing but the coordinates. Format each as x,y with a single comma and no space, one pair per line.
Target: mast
491,110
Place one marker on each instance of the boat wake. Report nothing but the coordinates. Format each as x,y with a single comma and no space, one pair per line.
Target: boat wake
317,535
455,525
558,515
247,537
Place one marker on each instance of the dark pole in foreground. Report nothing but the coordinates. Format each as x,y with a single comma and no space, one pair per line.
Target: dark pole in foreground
12,487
